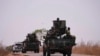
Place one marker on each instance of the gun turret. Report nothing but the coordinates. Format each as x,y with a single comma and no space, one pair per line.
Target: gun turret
59,26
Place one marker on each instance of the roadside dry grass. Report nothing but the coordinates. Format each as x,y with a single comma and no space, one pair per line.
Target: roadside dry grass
3,51
88,48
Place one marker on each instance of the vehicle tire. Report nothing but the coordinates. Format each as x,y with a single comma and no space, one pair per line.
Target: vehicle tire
44,51
14,51
68,54
64,54
48,52
36,51
23,51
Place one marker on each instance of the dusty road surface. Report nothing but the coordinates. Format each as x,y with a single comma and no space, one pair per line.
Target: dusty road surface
40,54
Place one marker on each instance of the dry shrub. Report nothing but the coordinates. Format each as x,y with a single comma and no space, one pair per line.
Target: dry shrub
3,51
89,48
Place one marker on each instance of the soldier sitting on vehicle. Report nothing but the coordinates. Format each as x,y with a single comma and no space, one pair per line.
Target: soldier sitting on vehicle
68,31
67,34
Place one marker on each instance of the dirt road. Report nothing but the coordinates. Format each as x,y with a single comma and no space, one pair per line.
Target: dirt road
40,54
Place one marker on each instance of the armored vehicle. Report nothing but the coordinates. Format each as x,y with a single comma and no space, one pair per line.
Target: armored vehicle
58,39
31,43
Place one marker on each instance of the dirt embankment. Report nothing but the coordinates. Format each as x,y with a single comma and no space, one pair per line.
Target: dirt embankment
88,49
3,51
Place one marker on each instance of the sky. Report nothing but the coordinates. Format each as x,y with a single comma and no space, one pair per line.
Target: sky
20,17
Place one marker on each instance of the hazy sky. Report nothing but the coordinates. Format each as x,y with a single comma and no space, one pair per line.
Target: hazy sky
19,17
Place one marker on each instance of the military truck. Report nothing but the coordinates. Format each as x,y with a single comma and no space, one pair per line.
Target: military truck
58,39
31,43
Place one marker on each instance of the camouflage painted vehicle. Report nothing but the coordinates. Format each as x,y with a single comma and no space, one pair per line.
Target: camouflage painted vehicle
31,43
58,39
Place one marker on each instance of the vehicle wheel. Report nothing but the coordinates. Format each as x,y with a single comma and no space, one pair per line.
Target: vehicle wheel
48,52
14,51
44,51
23,51
64,54
68,54
36,51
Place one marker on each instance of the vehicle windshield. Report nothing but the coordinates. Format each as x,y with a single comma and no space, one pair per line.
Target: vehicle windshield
19,44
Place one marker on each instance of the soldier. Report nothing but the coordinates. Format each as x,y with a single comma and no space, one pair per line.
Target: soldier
28,37
68,31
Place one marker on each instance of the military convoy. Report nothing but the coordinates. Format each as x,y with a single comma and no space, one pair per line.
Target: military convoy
57,39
